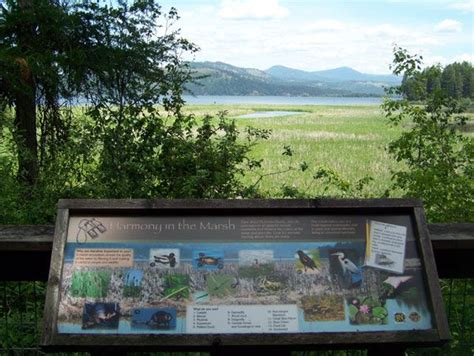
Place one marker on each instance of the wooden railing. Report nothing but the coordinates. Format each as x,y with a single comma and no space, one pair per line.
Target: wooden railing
25,251
25,254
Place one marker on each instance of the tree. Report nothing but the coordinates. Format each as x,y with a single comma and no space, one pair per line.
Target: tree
437,155
467,72
456,80
18,83
53,52
433,79
131,138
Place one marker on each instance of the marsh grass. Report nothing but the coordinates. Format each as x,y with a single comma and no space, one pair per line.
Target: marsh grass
350,140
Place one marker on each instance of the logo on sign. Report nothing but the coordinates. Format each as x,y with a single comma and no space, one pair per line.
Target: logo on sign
89,228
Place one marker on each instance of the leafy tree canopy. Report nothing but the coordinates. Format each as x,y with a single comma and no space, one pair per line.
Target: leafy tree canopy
439,158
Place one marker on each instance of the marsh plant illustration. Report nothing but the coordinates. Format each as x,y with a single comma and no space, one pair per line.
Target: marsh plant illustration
367,310
132,283
92,284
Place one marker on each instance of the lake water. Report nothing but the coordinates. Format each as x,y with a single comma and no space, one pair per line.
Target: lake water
279,100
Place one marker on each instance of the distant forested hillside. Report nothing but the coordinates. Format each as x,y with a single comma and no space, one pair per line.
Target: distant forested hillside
217,78
455,80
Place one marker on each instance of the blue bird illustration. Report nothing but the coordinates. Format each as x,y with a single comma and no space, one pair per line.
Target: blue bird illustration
349,269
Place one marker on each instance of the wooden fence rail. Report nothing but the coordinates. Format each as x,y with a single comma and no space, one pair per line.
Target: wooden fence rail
25,251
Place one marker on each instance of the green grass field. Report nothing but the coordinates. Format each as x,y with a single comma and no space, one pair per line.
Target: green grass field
351,140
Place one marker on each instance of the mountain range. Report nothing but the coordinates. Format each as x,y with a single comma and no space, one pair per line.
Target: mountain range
217,78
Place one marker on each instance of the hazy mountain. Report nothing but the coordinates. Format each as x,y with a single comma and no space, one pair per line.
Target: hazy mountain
290,74
217,78
340,74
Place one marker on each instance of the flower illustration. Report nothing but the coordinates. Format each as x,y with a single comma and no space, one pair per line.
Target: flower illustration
364,309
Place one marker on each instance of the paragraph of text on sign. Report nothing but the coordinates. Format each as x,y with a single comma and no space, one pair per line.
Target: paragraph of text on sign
113,257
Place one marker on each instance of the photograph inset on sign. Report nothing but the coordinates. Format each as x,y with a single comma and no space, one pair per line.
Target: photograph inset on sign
221,285
255,257
404,293
256,263
307,261
367,310
91,284
164,258
323,308
176,287
132,280
101,316
345,266
154,318
208,259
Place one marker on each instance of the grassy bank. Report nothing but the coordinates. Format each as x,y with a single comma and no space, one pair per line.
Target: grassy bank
351,140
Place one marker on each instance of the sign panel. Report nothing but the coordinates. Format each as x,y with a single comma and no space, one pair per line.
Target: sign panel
233,272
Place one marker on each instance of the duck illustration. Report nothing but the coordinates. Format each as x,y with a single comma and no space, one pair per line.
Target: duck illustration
306,260
165,259
205,260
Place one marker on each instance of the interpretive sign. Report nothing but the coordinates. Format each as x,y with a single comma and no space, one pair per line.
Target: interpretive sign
293,273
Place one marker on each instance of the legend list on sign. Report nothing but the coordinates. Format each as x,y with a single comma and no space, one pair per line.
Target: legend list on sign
218,319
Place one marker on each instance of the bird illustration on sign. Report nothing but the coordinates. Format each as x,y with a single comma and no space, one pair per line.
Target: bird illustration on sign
307,261
350,273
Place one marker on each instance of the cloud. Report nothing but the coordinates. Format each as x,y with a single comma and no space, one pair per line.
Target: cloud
465,57
466,6
314,42
448,25
326,25
248,9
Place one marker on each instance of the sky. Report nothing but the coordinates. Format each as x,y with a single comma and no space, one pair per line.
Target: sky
316,35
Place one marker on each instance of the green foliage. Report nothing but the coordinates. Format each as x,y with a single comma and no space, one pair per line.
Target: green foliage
438,157
132,139
20,314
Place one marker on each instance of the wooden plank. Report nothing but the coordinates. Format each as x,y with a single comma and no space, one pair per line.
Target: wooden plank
453,246
260,204
52,295
26,237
